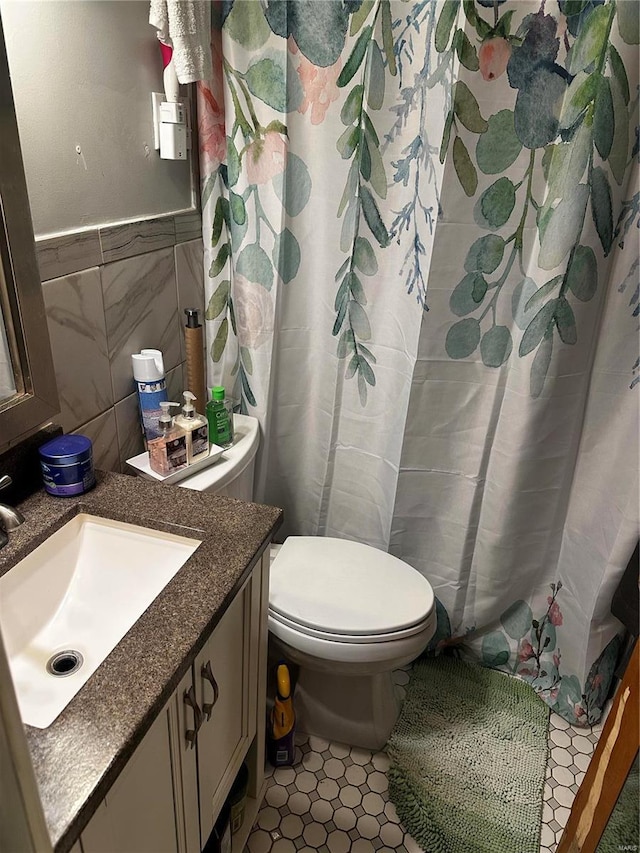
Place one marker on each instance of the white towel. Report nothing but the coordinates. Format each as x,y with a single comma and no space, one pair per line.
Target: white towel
185,25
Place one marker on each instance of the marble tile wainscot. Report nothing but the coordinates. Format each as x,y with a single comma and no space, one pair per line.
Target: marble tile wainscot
100,310
68,253
127,240
75,316
65,253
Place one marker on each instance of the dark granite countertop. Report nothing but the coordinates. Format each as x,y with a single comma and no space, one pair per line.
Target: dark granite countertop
78,757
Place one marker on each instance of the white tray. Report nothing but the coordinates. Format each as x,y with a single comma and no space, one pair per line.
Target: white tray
140,465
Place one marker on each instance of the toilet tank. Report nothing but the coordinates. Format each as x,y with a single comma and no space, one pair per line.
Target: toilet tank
233,474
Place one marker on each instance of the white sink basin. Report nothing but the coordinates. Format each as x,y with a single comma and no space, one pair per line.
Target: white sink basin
80,591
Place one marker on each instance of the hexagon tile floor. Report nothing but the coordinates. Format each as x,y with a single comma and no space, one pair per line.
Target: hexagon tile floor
334,799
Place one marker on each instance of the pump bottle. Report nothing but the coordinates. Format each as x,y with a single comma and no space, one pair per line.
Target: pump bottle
168,452
196,428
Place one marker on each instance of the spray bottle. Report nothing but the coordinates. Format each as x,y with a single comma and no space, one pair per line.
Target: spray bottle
148,371
280,741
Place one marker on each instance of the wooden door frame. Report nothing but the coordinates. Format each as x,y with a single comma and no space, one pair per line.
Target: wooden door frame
609,767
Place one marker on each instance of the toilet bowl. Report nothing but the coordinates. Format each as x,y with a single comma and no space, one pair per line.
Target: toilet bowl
346,613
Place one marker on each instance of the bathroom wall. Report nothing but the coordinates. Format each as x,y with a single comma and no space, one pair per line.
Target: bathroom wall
82,75
97,317
117,239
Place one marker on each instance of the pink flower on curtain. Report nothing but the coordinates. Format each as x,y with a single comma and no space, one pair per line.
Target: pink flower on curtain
320,89
211,120
493,57
526,651
265,158
254,312
211,128
579,711
561,30
555,616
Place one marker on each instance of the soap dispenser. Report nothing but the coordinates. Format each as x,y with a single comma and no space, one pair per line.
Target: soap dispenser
168,452
196,428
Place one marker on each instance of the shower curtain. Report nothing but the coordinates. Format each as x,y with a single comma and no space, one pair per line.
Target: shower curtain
421,255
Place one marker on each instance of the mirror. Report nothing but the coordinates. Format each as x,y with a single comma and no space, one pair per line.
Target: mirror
28,394
8,378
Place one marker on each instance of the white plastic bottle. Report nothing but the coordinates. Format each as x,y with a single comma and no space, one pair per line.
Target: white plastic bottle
196,428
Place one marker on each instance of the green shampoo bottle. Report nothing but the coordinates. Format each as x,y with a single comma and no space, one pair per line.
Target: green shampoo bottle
220,418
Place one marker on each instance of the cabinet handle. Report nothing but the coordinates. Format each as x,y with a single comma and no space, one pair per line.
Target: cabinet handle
190,700
206,673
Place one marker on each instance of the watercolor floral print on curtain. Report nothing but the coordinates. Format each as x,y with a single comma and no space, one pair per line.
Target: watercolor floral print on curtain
541,250
572,116
543,172
307,78
529,646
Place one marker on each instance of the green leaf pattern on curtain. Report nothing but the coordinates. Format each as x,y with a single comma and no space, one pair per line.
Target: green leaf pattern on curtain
365,72
542,178
564,115
570,111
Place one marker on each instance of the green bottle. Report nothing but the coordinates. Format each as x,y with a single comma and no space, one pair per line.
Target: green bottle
219,416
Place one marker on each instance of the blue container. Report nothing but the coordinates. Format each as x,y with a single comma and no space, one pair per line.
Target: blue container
67,465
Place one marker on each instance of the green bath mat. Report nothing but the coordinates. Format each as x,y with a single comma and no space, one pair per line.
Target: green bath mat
468,758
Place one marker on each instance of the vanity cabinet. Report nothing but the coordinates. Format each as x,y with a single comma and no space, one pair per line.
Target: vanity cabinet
224,684
138,815
171,791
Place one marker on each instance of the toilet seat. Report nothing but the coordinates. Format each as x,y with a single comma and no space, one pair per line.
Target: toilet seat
349,638
333,654
339,591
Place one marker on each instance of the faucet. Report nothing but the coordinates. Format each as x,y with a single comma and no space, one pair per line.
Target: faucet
10,518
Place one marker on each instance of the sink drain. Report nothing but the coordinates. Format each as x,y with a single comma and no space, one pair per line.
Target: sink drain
64,663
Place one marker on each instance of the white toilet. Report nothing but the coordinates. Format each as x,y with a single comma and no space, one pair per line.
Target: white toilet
347,613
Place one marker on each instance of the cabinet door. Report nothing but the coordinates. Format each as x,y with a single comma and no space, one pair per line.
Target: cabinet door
222,688
138,814
188,720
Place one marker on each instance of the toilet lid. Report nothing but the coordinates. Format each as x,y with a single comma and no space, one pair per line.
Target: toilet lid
343,587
